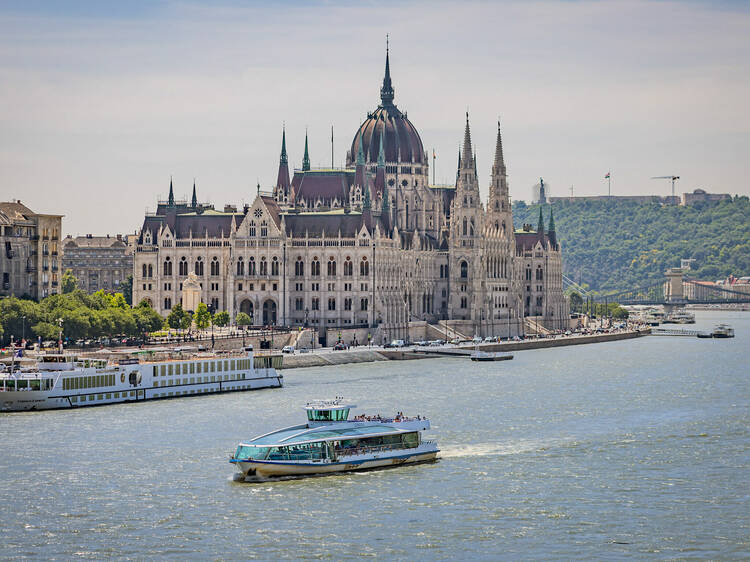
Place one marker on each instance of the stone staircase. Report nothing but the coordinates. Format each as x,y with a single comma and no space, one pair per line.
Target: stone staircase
534,326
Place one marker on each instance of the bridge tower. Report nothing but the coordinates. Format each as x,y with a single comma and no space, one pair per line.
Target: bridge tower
674,293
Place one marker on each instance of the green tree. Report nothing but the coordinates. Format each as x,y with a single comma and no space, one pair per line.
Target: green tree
221,319
243,319
127,290
175,316
620,313
17,318
69,282
146,318
202,317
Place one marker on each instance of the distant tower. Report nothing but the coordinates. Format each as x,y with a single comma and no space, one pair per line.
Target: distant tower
540,192
306,157
282,180
498,206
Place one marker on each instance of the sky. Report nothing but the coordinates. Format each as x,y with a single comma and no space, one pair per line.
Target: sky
101,102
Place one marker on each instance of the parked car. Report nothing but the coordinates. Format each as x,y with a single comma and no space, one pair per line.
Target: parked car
340,346
476,339
287,349
422,343
436,343
397,343
304,350
455,341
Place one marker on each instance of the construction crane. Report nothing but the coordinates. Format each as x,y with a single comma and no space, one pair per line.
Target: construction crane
673,178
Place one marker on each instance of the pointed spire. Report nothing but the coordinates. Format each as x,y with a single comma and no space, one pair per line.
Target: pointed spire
551,220
466,155
194,200
360,151
306,157
386,92
367,204
170,200
551,233
284,158
381,151
540,226
499,159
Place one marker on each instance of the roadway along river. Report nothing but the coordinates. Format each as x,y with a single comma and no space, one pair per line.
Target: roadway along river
636,448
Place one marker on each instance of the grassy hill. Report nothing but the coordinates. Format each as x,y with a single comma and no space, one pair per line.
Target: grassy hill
616,245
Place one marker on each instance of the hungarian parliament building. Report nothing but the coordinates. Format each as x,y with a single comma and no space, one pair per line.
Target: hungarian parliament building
372,246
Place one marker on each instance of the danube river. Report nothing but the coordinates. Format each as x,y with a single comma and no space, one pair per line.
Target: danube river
638,448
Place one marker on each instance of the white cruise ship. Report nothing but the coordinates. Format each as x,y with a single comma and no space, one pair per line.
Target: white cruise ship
331,442
69,381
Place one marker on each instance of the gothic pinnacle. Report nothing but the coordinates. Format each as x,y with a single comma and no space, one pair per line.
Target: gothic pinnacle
170,200
306,158
466,157
194,200
499,159
284,158
386,92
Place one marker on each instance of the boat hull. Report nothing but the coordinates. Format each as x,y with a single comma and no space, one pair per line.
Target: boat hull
273,469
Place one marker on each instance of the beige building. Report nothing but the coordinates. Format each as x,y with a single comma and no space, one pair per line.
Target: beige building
31,259
373,245
98,262
701,195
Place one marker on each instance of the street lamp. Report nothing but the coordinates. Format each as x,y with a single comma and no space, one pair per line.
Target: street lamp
23,331
59,339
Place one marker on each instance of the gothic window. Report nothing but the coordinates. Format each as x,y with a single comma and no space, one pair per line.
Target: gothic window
263,266
275,266
167,267
497,226
315,303
167,303
298,303
331,303
466,228
464,269
331,267
315,268
199,266
503,227
299,267
252,228
464,302
471,228
150,270
497,205
215,266
465,200
528,273
145,270
264,229
363,304
251,266
364,268
347,303
240,266
183,266
348,267
539,273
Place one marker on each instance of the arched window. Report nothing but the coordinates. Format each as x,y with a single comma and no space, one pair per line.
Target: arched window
199,266
331,267
167,303
464,269
528,273
263,229
275,266
252,228
150,270
251,266
240,266
183,266
299,267
168,266
215,266
348,267
471,228
263,266
145,270
503,227
364,268
315,267
539,273
466,228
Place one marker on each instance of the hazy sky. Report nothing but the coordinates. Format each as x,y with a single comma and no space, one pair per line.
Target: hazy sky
100,104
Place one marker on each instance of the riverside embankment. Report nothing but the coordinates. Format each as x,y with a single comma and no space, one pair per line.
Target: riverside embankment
366,355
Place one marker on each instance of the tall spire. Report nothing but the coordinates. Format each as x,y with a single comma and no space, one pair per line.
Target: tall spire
194,200
386,92
499,159
540,226
306,157
466,157
359,174
284,158
282,179
381,151
170,200
367,203
551,220
360,151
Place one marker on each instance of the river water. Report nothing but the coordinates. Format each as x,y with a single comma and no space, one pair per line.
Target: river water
632,449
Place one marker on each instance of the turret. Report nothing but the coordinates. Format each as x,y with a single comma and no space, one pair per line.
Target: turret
282,180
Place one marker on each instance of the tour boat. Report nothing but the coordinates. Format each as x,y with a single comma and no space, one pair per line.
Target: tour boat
723,331
60,380
331,442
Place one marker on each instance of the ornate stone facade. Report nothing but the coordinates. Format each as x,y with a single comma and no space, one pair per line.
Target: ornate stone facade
372,245
98,262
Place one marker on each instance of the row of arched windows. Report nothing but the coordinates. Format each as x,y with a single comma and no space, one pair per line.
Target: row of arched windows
262,268
299,267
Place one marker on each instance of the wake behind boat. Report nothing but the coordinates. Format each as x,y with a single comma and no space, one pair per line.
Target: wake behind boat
331,442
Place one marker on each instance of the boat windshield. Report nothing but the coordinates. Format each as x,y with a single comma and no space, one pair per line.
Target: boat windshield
328,414
247,452
303,451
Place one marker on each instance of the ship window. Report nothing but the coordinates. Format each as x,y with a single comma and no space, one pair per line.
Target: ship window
192,368
226,364
411,440
176,369
198,367
170,370
163,370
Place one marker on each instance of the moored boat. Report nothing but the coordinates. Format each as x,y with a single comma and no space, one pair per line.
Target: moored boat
331,442
723,331
490,356
60,380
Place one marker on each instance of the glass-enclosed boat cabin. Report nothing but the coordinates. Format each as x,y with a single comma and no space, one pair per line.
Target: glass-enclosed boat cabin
328,411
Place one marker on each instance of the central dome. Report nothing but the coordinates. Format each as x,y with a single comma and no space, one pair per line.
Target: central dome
401,141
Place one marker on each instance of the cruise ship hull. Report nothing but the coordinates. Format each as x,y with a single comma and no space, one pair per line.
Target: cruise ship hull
275,469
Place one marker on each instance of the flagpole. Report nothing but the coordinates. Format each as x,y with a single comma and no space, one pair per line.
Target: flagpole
433,166
609,184
331,146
